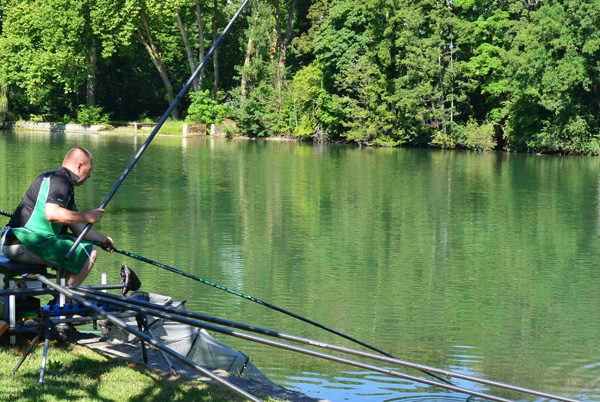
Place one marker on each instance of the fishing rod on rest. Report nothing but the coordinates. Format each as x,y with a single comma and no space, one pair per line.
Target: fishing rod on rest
247,297
139,155
306,341
119,323
281,345
156,129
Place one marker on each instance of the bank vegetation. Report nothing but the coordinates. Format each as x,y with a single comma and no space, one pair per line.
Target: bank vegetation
520,75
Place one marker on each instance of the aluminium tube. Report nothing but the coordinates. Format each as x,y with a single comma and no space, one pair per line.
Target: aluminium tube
45,290
146,338
292,348
324,345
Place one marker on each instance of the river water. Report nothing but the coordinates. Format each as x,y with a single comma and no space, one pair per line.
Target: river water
481,263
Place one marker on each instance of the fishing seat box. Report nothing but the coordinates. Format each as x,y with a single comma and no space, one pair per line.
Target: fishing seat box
12,307
9,270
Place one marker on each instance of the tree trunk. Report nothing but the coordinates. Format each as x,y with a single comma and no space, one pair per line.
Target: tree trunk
200,40
452,84
188,50
442,100
215,53
144,35
284,41
244,79
90,88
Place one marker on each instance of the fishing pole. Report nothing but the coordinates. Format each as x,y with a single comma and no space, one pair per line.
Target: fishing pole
245,296
119,323
251,298
87,290
226,331
156,129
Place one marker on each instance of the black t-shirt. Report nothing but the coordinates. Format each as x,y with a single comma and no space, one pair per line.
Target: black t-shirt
55,187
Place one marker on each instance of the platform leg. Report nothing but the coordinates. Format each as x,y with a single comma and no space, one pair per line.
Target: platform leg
165,357
44,357
104,280
29,349
139,320
12,313
61,298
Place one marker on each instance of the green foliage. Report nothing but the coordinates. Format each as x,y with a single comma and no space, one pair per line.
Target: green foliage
144,118
46,48
555,105
205,110
475,136
3,102
36,118
256,110
229,132
441,140
91,115
473,74
307,97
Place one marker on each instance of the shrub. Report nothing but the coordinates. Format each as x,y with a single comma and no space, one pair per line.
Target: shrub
36,118
475,136
205,110
229,132
89,115
442,140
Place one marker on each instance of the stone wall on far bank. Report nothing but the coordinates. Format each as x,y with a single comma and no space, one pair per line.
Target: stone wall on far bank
216,130
28,125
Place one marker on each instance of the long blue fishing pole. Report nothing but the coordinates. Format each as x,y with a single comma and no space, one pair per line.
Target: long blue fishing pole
245,296
156,129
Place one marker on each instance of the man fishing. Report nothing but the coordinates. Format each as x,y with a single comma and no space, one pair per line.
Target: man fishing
36,234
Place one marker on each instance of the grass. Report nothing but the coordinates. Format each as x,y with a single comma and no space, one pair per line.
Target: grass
170,127
79,374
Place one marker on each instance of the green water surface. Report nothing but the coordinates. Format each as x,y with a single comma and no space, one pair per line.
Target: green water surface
481,263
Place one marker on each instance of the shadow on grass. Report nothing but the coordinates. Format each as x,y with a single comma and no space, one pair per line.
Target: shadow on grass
76,373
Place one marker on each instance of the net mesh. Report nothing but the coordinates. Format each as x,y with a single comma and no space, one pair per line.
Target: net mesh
194,343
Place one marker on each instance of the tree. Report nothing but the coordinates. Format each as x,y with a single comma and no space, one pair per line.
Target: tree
199,21
555,102
311,119
256,91
356,47
49,49
151,24
3,102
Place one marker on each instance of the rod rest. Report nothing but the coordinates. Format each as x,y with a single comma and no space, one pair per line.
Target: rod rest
74,308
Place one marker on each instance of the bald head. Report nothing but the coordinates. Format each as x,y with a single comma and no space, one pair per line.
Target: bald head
78,154
79,161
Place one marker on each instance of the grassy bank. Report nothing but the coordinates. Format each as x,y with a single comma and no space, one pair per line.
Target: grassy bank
170,127
77,373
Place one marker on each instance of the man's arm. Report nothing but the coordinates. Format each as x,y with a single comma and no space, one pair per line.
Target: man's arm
91,235
76,221
62,216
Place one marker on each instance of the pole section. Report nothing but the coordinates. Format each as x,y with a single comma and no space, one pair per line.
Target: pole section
281,345
156,129
145,337
255,300
202,317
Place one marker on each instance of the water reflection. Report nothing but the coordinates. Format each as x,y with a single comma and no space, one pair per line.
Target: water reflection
481,263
